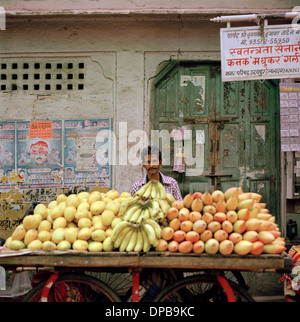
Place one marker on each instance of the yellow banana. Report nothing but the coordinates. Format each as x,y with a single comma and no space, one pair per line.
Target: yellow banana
154,213
139,242
162,191
132,242
154,210
117,229
136,215
141,216
146,214
143,189
155,204
130,212
170,198
154,190
155,226
126,240
125,205
151,234
146,243
151,212
147,193
157,190
163,205
121,236
160,216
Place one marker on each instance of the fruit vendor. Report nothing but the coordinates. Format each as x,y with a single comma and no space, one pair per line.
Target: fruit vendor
152,160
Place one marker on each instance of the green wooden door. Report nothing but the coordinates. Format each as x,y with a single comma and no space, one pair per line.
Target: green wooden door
233,125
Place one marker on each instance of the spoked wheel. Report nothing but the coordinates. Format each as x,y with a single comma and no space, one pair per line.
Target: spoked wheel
233,276
74,288
121,283
201,288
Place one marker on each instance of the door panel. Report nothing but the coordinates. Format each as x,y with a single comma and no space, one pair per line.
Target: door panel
239,123
200,97
197,149
229,133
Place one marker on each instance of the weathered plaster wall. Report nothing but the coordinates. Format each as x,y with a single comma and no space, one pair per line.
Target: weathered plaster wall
122,56
237,5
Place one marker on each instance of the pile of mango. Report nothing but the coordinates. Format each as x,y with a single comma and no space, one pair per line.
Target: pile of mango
221,222
82,221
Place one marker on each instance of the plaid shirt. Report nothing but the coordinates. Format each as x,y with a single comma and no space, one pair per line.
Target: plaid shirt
170,184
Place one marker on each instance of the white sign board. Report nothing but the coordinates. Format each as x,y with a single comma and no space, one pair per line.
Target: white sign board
251,53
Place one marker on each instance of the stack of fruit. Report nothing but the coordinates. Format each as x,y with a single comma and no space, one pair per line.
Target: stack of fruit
142,219
227,222
82,221
96,221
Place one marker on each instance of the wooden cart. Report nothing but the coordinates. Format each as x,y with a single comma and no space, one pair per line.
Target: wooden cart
135,263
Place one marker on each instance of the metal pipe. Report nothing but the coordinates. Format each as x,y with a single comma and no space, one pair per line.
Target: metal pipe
255,17
235,18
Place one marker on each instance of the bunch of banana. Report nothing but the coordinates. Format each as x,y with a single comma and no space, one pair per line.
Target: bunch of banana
151,190
155,209
126,205
136,237
134,211
163,204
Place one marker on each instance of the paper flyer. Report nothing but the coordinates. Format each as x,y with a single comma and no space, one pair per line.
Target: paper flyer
86,161
39,160
7,153
290,116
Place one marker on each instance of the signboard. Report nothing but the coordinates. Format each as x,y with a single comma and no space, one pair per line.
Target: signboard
290,117
269,52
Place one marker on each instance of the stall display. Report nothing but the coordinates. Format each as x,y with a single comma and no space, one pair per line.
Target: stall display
219,222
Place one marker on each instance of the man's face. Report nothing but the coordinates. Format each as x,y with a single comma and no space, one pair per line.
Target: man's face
39,154
152,164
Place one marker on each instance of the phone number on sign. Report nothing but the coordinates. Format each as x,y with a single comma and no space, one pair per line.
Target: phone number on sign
269,41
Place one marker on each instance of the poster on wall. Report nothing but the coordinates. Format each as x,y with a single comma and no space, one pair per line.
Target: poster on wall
39,158
290,116
86,160
7,153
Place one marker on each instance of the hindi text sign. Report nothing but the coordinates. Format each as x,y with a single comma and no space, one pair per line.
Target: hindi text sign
41,129
253,53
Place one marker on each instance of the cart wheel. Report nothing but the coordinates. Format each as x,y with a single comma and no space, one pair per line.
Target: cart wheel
121,283
201,288
233,276
74,288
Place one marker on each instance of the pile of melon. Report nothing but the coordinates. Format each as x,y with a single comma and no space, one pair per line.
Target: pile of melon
221,222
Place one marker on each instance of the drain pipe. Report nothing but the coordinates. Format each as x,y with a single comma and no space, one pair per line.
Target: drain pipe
255,18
